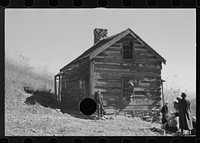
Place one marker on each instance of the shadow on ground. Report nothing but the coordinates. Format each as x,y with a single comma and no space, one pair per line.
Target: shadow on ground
158,130
78,114
47,99
43,97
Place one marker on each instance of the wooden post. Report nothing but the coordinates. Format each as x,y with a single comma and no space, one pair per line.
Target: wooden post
162,91
55,85
92,80
58,87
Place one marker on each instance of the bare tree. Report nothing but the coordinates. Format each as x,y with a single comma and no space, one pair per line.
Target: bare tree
170,93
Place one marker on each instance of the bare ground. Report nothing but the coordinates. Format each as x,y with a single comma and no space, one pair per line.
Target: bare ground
36,120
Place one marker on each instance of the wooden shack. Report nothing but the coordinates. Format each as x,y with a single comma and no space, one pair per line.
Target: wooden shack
124,67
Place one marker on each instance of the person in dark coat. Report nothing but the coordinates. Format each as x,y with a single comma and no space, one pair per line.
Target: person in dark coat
164,112
185,119
176,105
99,101
193,132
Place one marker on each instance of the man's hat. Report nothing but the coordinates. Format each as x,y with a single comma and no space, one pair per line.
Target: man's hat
183,95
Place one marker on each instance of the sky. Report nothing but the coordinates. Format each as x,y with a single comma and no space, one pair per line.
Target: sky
51,38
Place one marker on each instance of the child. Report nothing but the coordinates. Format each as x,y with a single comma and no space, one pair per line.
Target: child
173,125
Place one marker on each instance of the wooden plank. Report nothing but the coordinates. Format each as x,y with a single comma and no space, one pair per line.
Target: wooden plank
107,63
109,55
103,59
113,66
109,69
111,52
140,57
145,60
140,49
116,57
149,54
114,48
126,67
99,50
109,80
91,79
131,65
119,73
108,86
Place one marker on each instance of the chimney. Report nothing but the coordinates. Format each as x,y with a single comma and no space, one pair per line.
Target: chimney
99,34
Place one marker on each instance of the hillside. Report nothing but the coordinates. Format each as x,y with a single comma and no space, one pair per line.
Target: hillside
37,113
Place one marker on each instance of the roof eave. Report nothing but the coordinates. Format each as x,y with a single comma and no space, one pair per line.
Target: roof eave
145,44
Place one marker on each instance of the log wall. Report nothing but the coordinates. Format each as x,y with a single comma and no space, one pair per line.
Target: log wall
72,93
110,69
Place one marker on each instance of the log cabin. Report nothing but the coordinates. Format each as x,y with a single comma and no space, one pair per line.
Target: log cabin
123,67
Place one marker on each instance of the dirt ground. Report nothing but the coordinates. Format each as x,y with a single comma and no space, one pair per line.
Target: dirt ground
22,119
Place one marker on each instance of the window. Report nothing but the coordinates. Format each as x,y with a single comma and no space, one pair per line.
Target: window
128,50
82,83
126,86
65,84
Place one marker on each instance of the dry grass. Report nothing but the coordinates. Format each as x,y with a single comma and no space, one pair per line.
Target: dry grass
22,119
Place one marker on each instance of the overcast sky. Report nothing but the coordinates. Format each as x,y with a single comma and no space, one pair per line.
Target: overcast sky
52,38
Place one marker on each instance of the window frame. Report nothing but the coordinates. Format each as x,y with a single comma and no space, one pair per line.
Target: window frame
82,83
127,88
133,52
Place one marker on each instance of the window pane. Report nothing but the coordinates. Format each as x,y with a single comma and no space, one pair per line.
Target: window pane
127,55
127,50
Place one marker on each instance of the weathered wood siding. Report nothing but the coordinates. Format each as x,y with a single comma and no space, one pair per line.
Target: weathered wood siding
110,69
72,93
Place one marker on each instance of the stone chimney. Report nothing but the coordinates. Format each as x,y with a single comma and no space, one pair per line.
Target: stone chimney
99,34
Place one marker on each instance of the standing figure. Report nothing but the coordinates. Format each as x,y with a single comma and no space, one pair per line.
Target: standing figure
164,112
99,101
178,99
176,105
185,119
